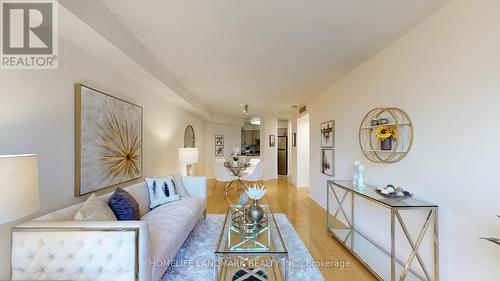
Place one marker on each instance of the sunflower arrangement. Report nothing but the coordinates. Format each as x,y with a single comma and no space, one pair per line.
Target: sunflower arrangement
386,132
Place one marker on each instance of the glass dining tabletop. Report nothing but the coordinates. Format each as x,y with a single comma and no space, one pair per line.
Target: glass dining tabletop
238,168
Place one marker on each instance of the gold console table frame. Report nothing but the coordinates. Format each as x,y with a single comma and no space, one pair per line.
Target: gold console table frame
399,269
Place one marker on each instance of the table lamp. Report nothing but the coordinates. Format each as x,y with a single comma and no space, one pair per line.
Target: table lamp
19,196
188,156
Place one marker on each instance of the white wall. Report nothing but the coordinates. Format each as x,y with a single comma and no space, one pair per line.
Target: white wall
303,158
232,138
445,75
269,155
37,116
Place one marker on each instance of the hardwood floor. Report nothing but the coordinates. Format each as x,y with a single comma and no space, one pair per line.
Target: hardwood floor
308,219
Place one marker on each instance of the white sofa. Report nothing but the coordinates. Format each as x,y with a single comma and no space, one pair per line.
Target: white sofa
55,247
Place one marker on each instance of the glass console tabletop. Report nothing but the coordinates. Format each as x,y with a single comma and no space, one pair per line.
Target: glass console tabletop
369,193
250,251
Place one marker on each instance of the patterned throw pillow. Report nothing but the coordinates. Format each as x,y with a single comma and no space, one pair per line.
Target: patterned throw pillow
95,209
161,190
124,206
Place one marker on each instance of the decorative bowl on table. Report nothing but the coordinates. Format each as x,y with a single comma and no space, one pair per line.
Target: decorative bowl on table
394,192
245,225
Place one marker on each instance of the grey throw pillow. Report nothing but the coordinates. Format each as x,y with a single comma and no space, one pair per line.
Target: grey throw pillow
181,189
95,209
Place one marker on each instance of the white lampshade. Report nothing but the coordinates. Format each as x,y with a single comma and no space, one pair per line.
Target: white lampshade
188,155
18,186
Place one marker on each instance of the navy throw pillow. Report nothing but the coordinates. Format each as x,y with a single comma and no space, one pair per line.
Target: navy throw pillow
124,206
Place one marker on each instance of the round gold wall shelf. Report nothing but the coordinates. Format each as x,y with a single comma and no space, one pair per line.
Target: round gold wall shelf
371,146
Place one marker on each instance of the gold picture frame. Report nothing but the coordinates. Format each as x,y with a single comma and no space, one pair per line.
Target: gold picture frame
108,140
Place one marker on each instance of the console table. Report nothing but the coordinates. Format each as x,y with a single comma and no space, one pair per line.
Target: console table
381,262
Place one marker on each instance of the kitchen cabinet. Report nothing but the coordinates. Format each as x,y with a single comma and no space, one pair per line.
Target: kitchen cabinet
250,137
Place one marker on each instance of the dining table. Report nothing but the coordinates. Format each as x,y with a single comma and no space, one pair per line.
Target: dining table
237,170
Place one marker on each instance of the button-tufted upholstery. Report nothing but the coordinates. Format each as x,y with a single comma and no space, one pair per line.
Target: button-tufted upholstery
54,247
81,256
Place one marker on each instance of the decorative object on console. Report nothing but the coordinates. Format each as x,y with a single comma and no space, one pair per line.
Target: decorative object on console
219,145
272,140
188,156
255,212
108,140
328,134
358,179
389,139
95,209
327,161
189,139
161,190
18,186
355,175
492,239
394,192
124,206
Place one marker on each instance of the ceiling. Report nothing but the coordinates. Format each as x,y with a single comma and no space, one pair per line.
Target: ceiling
268,54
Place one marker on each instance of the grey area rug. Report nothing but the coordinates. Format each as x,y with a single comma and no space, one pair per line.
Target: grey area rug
194,260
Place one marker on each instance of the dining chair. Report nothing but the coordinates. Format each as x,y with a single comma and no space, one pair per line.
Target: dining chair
256,174
222,175
254,161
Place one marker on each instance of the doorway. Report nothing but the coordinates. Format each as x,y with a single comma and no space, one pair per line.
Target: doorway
303,151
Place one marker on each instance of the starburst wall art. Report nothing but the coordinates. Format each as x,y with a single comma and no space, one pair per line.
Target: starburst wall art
108,140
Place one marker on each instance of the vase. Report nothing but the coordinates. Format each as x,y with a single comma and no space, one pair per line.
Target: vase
386,144
255,212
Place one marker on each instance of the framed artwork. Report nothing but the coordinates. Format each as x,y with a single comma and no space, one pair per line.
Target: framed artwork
219,145
272,140
108,140
327,162
328,134
294,139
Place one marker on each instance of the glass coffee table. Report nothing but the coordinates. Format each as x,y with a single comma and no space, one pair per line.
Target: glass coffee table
247,251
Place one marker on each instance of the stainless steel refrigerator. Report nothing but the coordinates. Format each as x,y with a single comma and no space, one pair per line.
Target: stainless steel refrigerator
282,155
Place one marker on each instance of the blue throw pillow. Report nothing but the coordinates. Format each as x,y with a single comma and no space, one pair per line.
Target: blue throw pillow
124,206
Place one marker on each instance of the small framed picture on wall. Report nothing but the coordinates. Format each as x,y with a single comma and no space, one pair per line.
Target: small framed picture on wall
328,134
328,161
294,139
219,145
272,140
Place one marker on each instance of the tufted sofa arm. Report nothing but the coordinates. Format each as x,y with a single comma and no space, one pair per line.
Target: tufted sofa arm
81,250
